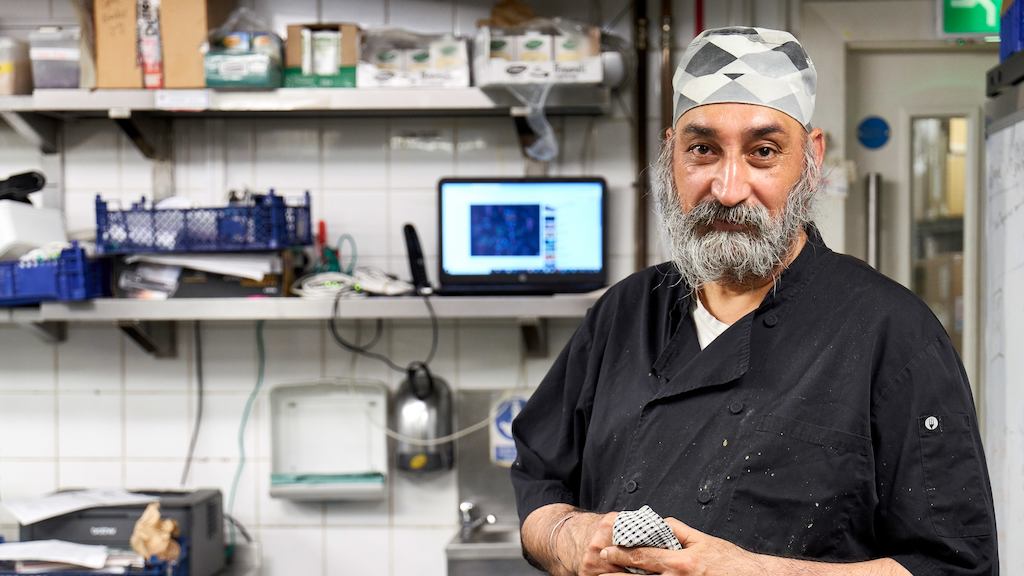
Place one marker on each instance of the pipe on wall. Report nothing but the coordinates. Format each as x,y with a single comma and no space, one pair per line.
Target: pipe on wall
640,32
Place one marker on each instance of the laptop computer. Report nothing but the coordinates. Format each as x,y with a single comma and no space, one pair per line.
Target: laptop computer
521,235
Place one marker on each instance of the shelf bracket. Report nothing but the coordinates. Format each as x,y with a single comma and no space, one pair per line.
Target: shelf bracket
48,332
151,136
535,336
39,130
156,338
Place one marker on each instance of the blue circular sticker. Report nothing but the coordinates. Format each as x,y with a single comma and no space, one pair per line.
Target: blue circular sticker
873,132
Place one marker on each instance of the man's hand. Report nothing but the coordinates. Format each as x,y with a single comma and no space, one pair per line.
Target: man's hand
702,555
705,555
572,547
588,535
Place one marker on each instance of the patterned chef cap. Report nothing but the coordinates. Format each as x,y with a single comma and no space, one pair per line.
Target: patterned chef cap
749,66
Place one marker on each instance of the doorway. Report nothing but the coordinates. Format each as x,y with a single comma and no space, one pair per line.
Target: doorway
929,166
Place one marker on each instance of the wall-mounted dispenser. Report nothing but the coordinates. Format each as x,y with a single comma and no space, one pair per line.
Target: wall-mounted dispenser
421,413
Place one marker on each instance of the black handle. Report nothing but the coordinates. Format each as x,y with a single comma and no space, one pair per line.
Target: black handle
19,186
421,392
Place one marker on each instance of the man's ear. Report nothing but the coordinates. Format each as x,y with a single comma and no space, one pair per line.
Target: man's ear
817,139
668,134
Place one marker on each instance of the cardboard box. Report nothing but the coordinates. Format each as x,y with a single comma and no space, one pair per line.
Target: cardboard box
245,60
349,57
402,60
576,58
184,25
183,28
940,283
956,182
116,49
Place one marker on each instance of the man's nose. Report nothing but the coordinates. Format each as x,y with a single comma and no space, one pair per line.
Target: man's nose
731,185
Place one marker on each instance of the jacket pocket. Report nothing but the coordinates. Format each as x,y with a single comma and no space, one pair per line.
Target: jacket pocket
800,489
953,478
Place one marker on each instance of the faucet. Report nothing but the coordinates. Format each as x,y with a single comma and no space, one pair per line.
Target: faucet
471,520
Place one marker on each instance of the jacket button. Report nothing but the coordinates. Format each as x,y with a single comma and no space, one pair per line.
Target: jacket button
736,407
771,320
631,486
704,495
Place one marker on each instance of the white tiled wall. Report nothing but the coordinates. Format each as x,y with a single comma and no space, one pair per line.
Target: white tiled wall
97,411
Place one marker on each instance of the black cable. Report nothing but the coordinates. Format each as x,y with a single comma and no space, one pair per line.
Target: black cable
434,329
364,349
241,529
198,345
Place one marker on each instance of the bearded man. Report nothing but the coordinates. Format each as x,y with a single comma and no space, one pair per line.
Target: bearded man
791,410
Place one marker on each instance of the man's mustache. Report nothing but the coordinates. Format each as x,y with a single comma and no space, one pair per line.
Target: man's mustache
709,212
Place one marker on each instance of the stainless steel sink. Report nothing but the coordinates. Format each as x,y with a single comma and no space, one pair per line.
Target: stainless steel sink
487,542
489,551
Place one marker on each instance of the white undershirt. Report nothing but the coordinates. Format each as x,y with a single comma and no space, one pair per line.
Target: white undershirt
708,327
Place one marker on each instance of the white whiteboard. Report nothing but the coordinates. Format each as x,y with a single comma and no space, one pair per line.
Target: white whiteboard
1004,335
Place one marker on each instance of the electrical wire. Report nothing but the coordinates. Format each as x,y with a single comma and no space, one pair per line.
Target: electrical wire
197,339
261,353
241,529
364,349
350,268
475,427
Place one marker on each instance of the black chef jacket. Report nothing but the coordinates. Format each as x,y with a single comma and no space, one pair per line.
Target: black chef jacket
835,422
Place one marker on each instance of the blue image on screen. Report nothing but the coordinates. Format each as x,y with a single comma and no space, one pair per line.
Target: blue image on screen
505,230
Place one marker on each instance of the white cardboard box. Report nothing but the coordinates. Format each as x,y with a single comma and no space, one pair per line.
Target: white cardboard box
448,68
489,71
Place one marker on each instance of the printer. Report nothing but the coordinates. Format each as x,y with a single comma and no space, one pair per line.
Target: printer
199,514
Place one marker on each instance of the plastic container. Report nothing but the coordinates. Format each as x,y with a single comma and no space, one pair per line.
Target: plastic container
70,277
55,55
268,224
15,70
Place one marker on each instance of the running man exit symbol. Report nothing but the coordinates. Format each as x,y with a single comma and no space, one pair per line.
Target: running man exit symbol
969,16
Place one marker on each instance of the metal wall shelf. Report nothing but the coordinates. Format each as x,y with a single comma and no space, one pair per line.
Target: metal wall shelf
568,99
152,324
388,307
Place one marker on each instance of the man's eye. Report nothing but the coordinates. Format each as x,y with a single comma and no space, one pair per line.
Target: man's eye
700,149
764,152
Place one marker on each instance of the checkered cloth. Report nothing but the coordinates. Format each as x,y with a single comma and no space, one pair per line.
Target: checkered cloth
746,65
643,527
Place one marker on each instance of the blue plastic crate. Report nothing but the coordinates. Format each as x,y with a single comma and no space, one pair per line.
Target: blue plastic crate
72,276
268,224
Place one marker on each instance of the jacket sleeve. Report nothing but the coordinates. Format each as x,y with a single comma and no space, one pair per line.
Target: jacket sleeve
550,431
935,513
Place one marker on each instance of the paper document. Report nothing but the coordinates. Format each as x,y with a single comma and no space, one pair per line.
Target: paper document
251,266
33,510
56,551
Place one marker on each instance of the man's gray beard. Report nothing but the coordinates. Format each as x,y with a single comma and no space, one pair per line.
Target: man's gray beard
738,258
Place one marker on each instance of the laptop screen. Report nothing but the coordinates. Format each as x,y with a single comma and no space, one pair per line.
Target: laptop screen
546,234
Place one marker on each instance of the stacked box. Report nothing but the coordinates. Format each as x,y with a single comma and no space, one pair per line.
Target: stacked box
321,55
393,58
244,59
940,283
528,55
176,29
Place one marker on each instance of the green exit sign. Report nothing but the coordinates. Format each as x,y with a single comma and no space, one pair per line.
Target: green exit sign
968,17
